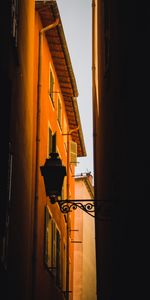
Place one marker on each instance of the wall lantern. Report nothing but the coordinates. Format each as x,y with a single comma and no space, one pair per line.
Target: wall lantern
53,173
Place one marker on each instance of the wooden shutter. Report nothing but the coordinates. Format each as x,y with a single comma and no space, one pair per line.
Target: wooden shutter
59,116
73,152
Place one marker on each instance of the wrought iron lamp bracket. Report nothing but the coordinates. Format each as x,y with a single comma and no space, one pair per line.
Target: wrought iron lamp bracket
67,206
90,206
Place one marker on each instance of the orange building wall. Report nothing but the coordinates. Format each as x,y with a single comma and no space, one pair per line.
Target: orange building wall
45,281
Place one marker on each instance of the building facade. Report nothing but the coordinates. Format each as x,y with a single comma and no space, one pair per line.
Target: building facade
16,131
57,93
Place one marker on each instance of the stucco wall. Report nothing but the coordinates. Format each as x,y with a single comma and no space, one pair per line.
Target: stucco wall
45,282
84,255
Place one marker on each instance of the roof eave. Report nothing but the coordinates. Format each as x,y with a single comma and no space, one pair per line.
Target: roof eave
70,100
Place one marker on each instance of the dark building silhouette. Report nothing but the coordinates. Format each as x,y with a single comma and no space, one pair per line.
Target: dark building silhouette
35,259
121,147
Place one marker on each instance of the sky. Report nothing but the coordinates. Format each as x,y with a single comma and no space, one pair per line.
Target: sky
76,17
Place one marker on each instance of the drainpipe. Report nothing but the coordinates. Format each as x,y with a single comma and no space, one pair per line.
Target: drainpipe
68,215
37,167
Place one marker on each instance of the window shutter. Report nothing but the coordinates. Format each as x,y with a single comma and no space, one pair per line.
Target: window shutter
73,152
59,113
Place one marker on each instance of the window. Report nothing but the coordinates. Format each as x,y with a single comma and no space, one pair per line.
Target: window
52,253
51,91
51,141
59,113
54,142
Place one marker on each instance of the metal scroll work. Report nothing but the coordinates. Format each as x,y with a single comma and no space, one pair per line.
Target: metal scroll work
67,206
99,209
